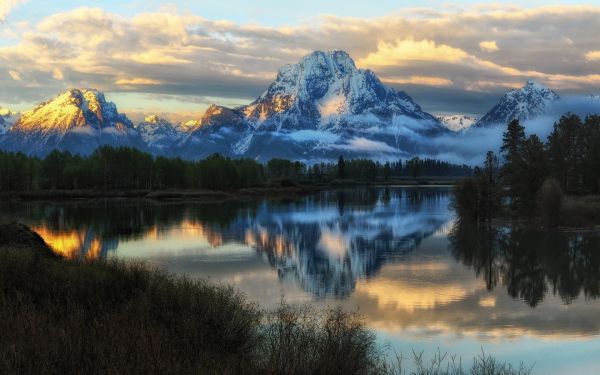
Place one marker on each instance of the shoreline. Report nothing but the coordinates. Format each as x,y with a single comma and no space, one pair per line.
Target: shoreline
278,192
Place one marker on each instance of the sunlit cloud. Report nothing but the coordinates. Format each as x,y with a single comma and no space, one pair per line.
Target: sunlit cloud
406,51
592,56
137,81
57,74
490,49
14,75
488,46
419,80
6,6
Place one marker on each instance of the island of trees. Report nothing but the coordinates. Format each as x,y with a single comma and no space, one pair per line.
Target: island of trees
556,182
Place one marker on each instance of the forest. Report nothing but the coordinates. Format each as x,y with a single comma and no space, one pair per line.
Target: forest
130,169
535,178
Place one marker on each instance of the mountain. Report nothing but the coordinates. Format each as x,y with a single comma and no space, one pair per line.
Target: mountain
187,126
530,101
159,134
457,122
7,119
78,120
221,130
320,107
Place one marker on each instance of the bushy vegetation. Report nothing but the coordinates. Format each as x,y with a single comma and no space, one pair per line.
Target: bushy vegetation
61,317
533,175
128,168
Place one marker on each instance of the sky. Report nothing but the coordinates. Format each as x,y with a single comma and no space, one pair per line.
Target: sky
174,58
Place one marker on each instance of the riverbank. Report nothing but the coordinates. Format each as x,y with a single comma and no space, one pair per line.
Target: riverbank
58,316
278,190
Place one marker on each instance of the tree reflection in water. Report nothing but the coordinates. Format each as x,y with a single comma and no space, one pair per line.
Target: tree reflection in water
529,263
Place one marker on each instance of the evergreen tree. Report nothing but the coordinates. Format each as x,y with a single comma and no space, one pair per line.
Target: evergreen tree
591,157
535,163
566,150
341,167
513,170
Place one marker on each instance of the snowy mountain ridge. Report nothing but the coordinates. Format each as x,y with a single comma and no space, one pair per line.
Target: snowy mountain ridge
77,120
523,104
457,123
315,107
7,119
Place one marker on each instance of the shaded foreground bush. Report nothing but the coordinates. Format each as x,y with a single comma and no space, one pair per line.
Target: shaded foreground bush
60,317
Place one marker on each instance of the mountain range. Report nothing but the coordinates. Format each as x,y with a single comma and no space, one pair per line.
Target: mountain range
315,110
457,123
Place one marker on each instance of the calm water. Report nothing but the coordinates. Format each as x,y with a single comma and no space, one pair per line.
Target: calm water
396,255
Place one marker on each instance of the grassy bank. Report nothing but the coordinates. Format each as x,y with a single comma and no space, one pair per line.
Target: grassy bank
61,317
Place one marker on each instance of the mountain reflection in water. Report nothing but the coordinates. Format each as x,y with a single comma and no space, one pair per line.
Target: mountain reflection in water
328,243
420,278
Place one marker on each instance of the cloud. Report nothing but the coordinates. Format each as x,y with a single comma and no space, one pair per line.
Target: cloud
366,145
488,46
419,80
168,53
57,74
14,75
6,6
136,81
406,51
592,56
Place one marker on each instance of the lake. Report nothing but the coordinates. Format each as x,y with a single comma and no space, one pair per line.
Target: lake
397,255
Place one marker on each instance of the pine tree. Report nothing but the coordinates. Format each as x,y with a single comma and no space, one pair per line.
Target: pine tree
536,171
341,166
513,170
566,150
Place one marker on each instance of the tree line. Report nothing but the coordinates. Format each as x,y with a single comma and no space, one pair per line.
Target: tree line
128,168
532,175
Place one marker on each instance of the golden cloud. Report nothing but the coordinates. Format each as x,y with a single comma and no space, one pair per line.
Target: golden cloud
592,56
137,81
419,80
488,46
402,52
14,75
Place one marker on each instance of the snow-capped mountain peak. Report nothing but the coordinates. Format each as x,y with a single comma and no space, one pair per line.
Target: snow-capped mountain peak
528,102
187,126
158,133
7,119
75,108
78,120
327,90
457,122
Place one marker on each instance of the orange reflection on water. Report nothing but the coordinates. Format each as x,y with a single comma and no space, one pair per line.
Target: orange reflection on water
70,244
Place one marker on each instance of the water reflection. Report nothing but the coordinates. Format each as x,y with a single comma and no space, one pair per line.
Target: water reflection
325,243
331,243
530,263
395,255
